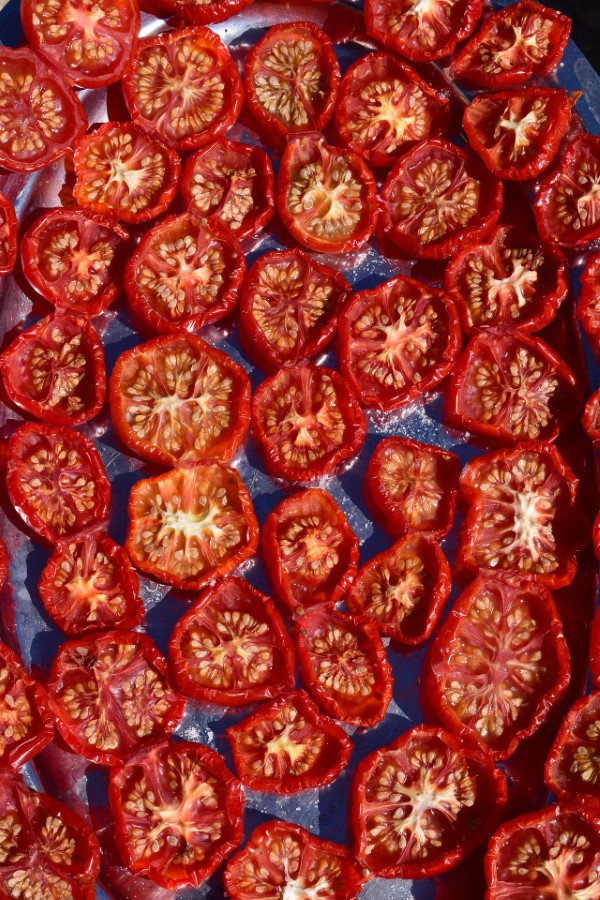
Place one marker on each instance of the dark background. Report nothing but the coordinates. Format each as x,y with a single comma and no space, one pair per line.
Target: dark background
586,25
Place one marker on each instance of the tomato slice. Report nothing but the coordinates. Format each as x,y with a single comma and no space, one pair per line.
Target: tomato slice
289,308
309,550
326,197
8,235
204,12
56,481
344,666
595,637
90,585
231,647
567,207
176,400
178,812
184,275
397,341
190,526
26,723
437,199
183,87
420,805
422,31
41,117
588,306
306,420
591,417
124,173
573,765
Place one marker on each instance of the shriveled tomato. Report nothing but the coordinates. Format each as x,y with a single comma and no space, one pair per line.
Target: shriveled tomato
176,400
437,199
232,647
326,197
573,765
567,206
420,805
3,564
203,12
591,417
26,723
595,637
124,173
184,275
397,341
8,235
422,31
90,585
178,812
306,420
588,306
190,526
56,481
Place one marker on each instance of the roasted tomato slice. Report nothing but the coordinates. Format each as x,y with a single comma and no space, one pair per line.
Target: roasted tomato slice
326,197
204,12
288,746
232,647
422,31
591,417
183,87
125,174
588,307
404,589
176,400
309,551
8,235
412,487
567,207
184,275
595,638
344,666
289,308
420,805
26,723
41,118
178,812
190,526
498,665
75,259
284,860
397,341
306,420
56,481
573,765
90,585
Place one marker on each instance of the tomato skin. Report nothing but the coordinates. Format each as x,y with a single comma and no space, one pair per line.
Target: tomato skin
595,636
572,765
204,13
560,214
24,703
3,564
588,306
423,44
8,235
591,417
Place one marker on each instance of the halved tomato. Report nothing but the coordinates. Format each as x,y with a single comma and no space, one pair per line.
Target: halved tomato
203,12
176,400
178,812
306,420
573,764
397,341
90,585
423,803
56,481
567,206
591,417
595,636
26,723
438,198
190,526
422,31
588,306
8,235
232,647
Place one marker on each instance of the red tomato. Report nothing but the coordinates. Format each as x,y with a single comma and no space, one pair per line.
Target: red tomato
422,31
573,765
404,589
397,341
55,370
588,307
591,417
344,666
26,723
289,308
184,275
90,43
309,550
512,45
420,805
190,526
3,564
326,197
306,420
437,199
178,812
183,87
176,400
42,118
231,647
90,585
288,746
8,235
75,259
203,12
56,481
412,487
123,173
567,207
111,694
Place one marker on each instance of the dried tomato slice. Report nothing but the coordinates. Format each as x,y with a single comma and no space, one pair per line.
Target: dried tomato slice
178,812
190,526
26,723
8,235
397,341
422,31
176,400
204,12
89,585
288,746
588,307
591,416
420,805
306,420
183,87
232,647
567,207
573,765
595,637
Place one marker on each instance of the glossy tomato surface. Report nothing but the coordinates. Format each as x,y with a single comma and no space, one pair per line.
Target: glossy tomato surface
567,206
422,31
8,235
573,764
203,12
588,306
591,416
26,723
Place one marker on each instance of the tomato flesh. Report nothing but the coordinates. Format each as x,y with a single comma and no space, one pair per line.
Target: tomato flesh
588,307
420,30
26,723
567,207
591,416
573,765
8,235
204,12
